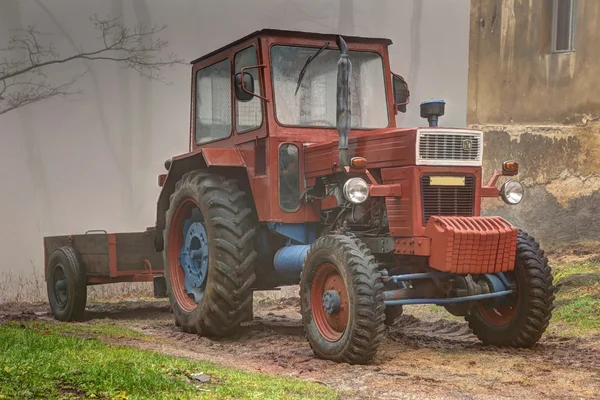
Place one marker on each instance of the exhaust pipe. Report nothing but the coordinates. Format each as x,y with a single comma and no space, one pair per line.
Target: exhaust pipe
344,73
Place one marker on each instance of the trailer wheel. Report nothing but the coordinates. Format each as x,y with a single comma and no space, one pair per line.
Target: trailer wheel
341,295
209,254
66,284
523,317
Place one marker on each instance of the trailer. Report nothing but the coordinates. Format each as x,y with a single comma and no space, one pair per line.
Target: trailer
97,257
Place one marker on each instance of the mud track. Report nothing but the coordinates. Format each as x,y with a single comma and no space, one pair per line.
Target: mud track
422,356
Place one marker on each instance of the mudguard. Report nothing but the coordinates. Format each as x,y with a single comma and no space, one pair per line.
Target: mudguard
198,159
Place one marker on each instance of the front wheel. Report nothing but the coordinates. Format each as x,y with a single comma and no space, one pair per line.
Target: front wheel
521,319
342,305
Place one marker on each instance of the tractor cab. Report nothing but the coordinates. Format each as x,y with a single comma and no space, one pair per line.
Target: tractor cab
280,83
275,93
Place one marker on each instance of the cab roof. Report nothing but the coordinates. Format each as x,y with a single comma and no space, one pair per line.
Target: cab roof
296,34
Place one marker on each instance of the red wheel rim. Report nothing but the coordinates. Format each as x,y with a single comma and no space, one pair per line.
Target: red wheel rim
330,325
500,315
176,275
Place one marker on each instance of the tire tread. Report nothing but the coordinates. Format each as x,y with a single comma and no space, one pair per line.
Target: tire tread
231,273
539,305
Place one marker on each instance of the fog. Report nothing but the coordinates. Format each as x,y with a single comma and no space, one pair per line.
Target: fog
90,161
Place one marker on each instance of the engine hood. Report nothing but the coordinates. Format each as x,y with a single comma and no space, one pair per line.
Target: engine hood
393,147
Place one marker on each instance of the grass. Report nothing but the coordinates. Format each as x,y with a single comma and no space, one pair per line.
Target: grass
562,271
103,331
29,286
578,307
36,361
583,313
26,285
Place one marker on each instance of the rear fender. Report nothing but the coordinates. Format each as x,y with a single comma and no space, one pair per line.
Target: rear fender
228,162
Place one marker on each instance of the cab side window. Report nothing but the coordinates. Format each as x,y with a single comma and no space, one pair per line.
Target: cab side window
213,102
289,177
248,114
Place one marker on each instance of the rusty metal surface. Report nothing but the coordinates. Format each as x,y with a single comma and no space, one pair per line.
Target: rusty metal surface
223,157
417,246
380,245
292,35
382,148
393,190
92,250
135,253
140,277
162,179
112,257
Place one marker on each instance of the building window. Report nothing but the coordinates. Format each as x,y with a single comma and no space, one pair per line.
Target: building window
564,14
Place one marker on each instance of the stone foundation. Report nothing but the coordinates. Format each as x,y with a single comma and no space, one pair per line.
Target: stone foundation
560,169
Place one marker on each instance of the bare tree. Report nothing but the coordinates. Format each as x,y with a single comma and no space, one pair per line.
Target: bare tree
23,80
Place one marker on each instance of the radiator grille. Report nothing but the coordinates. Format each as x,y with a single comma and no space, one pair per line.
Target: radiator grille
448,200
449,148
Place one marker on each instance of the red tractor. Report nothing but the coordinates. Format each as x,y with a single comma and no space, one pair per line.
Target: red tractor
298,174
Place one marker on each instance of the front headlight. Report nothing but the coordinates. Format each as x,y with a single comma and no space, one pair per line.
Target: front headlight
512,192
356,190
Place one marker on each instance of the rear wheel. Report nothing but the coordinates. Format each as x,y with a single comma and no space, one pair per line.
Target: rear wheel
520,319
209,254
342,300
66,284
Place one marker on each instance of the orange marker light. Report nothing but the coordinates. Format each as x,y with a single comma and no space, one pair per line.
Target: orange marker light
510,167
358,162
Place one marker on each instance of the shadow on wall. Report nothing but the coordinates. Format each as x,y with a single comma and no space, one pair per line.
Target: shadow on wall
560,169
549,222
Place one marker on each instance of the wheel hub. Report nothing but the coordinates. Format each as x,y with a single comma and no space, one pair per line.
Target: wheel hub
60,285
501,310
331,301
193,256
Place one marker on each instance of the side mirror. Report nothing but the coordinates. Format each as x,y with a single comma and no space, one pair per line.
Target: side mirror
244,86
401,93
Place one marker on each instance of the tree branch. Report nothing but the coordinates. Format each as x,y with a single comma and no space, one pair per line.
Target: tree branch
23,80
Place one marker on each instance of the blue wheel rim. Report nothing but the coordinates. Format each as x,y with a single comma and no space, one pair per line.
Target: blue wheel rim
193,256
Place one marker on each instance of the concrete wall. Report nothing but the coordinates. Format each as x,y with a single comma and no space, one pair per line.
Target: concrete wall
513,76
540,109
91,161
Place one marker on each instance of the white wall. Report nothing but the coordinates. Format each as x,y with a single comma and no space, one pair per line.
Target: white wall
91,161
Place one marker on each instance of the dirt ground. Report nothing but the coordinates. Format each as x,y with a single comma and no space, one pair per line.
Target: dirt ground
427,354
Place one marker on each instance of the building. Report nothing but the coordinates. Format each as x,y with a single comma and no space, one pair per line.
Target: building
533,87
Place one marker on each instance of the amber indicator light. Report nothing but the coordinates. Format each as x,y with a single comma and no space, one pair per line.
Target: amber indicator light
358,162
510,166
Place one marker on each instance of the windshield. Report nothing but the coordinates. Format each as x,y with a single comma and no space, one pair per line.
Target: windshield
315,102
